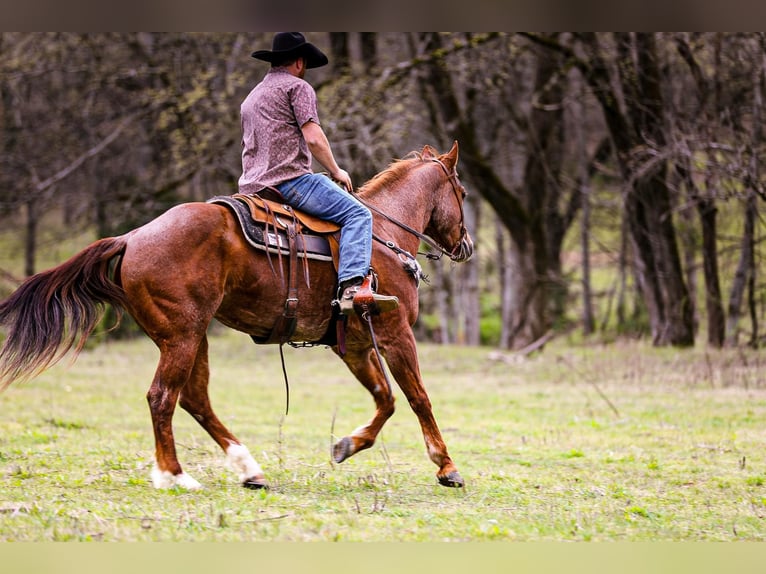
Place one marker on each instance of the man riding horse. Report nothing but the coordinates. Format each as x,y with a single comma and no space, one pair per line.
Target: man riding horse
280,135
218,275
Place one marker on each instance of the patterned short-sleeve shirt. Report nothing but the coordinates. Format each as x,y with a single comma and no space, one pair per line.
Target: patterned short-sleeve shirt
273,147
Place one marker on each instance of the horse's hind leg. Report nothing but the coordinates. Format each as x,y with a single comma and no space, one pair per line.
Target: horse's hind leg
365,367
172,374
402,358
195,400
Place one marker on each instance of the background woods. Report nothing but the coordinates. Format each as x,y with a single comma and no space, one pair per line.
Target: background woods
614,179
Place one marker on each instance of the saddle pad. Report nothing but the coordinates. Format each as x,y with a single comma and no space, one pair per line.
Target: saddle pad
309,246
263,209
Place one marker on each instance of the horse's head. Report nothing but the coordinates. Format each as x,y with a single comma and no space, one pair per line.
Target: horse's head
446,225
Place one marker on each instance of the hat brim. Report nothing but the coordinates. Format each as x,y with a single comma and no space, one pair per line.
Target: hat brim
315,58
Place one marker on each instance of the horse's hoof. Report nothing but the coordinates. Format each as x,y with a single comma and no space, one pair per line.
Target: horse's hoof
256,483
342,449
453,480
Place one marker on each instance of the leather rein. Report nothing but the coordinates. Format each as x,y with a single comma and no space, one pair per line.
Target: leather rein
452,178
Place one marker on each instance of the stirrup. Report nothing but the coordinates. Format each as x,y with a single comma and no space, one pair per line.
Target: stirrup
363,300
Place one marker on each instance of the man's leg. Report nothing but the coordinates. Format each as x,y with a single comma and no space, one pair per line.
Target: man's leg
320,196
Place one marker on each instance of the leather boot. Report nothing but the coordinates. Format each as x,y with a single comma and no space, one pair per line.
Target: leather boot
362,299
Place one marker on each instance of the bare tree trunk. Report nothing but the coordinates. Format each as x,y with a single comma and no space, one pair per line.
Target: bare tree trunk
30,237
464,297
745,275
341,61
542,179
470,291
707,211
716,320
505,279
745,269
751,298
527,314
622,292
540,292
647,202
588,321
760,78
369,49
687,235
705,203
443,296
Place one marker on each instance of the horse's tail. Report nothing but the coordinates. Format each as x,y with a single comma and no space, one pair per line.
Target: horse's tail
55,310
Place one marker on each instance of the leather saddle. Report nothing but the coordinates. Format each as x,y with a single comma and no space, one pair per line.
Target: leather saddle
270,225
265,223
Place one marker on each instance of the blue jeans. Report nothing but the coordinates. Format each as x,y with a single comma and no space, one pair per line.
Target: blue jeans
318,195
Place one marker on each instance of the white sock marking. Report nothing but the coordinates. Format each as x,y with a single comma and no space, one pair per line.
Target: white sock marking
242,462
162,479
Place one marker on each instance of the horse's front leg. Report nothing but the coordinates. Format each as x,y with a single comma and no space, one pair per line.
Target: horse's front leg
364,365
402,358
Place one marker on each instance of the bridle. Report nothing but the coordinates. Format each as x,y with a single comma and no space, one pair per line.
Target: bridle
454,253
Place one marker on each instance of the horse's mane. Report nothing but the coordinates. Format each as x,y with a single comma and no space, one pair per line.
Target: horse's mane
393,174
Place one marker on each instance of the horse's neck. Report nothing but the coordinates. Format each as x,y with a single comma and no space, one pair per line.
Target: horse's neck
408,200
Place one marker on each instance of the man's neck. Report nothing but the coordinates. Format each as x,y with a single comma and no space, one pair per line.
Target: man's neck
294,70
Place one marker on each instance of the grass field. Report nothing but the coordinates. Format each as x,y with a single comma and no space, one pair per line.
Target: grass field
617,443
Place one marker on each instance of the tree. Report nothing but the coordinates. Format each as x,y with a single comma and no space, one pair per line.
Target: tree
529,211
704,199
148,107
744,278
634,117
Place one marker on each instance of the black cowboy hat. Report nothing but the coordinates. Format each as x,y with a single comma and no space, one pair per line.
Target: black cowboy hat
286,44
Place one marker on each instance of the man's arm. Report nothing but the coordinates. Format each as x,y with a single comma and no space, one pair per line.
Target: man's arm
319,147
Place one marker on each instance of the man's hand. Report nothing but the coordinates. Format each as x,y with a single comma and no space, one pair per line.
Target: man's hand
343,179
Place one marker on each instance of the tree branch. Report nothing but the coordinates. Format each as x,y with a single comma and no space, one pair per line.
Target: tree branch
393,74
41,186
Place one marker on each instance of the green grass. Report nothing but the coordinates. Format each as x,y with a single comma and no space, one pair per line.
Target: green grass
677,455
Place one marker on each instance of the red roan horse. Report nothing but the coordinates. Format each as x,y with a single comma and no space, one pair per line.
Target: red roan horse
191,264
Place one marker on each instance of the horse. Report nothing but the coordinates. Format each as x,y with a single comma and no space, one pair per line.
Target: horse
191,264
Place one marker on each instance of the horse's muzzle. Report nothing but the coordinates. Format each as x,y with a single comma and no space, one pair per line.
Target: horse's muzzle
463,251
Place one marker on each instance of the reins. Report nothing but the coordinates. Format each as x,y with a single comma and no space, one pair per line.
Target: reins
424,238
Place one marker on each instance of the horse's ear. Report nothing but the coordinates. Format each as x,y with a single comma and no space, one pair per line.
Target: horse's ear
429,152
450,158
